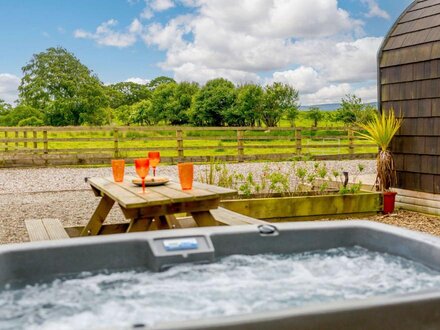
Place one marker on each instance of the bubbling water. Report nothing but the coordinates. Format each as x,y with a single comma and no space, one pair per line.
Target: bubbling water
236,284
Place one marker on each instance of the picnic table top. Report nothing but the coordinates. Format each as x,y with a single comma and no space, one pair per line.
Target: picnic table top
129,195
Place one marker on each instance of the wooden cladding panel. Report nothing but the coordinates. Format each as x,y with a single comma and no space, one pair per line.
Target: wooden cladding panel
420,127
413,38
414,90
408,145
424,4
413,54
411,163
410,72
417,25
419,14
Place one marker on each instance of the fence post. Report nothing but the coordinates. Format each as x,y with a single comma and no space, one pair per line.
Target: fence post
350,142
6,142
45,142
179,137
25,141
240,145
34,136
115,143
298,140
16,137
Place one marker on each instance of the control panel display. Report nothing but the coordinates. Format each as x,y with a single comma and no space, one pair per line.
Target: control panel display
180,244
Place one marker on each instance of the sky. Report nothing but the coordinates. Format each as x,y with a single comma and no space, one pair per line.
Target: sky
324,48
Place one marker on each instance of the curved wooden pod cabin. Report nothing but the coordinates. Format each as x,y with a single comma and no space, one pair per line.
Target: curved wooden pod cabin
409,82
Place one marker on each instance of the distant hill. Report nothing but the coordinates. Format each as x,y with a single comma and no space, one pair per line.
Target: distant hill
330,106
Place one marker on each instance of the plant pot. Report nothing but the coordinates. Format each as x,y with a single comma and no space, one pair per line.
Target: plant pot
389,199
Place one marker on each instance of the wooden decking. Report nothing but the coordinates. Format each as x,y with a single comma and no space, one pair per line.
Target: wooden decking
52,229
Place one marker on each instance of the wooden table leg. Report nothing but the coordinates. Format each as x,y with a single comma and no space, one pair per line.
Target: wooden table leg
98,217
139,224
172,221
204,219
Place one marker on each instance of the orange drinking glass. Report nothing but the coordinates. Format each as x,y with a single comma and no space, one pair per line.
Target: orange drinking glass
154,157
142,167
118,167
186,175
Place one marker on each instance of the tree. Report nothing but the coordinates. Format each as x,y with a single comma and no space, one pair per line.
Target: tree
20,113
247,108
124,114
56,83
354,111
142,113
31,121
212,101
126,93
278,99
4,108
178,112
315,114
153,84
162,100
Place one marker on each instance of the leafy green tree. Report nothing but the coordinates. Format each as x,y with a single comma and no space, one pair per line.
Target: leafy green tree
162,100
278,99
143,114
178,111
31,121
4,108
20,113
247,108
354,111
124,114
211,103
58,84
126,93
315,114
367,114
153,84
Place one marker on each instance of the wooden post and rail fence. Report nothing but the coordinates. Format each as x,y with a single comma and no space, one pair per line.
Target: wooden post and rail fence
51,146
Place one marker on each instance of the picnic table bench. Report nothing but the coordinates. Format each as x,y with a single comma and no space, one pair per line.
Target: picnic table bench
156,209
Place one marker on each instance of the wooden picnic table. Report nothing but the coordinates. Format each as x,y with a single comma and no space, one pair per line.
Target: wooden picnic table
157,207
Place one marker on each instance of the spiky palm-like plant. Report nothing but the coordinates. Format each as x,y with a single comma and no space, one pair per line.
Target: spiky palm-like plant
381,130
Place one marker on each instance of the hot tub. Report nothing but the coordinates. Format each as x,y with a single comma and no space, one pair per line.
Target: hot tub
40,265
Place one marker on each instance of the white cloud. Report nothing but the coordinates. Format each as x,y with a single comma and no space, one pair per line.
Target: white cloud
105,34
327,94
147,13
304,79
161,5
201,74
333,93
340,61
374,10
248,36
8,87
137,80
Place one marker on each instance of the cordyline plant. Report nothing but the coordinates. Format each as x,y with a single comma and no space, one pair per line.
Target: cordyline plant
380,130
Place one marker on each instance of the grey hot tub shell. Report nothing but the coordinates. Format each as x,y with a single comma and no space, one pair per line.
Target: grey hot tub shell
39,261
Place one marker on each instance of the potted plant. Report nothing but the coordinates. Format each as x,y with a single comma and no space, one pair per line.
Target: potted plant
380,130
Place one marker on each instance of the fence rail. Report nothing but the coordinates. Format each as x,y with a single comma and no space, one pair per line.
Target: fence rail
44,146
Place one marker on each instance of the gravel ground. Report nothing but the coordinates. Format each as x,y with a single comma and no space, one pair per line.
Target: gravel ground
62,193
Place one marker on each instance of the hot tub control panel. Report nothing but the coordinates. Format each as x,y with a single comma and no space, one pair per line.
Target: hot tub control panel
169,251
180,244
166,246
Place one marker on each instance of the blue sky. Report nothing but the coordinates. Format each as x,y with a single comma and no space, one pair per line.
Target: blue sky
324,48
